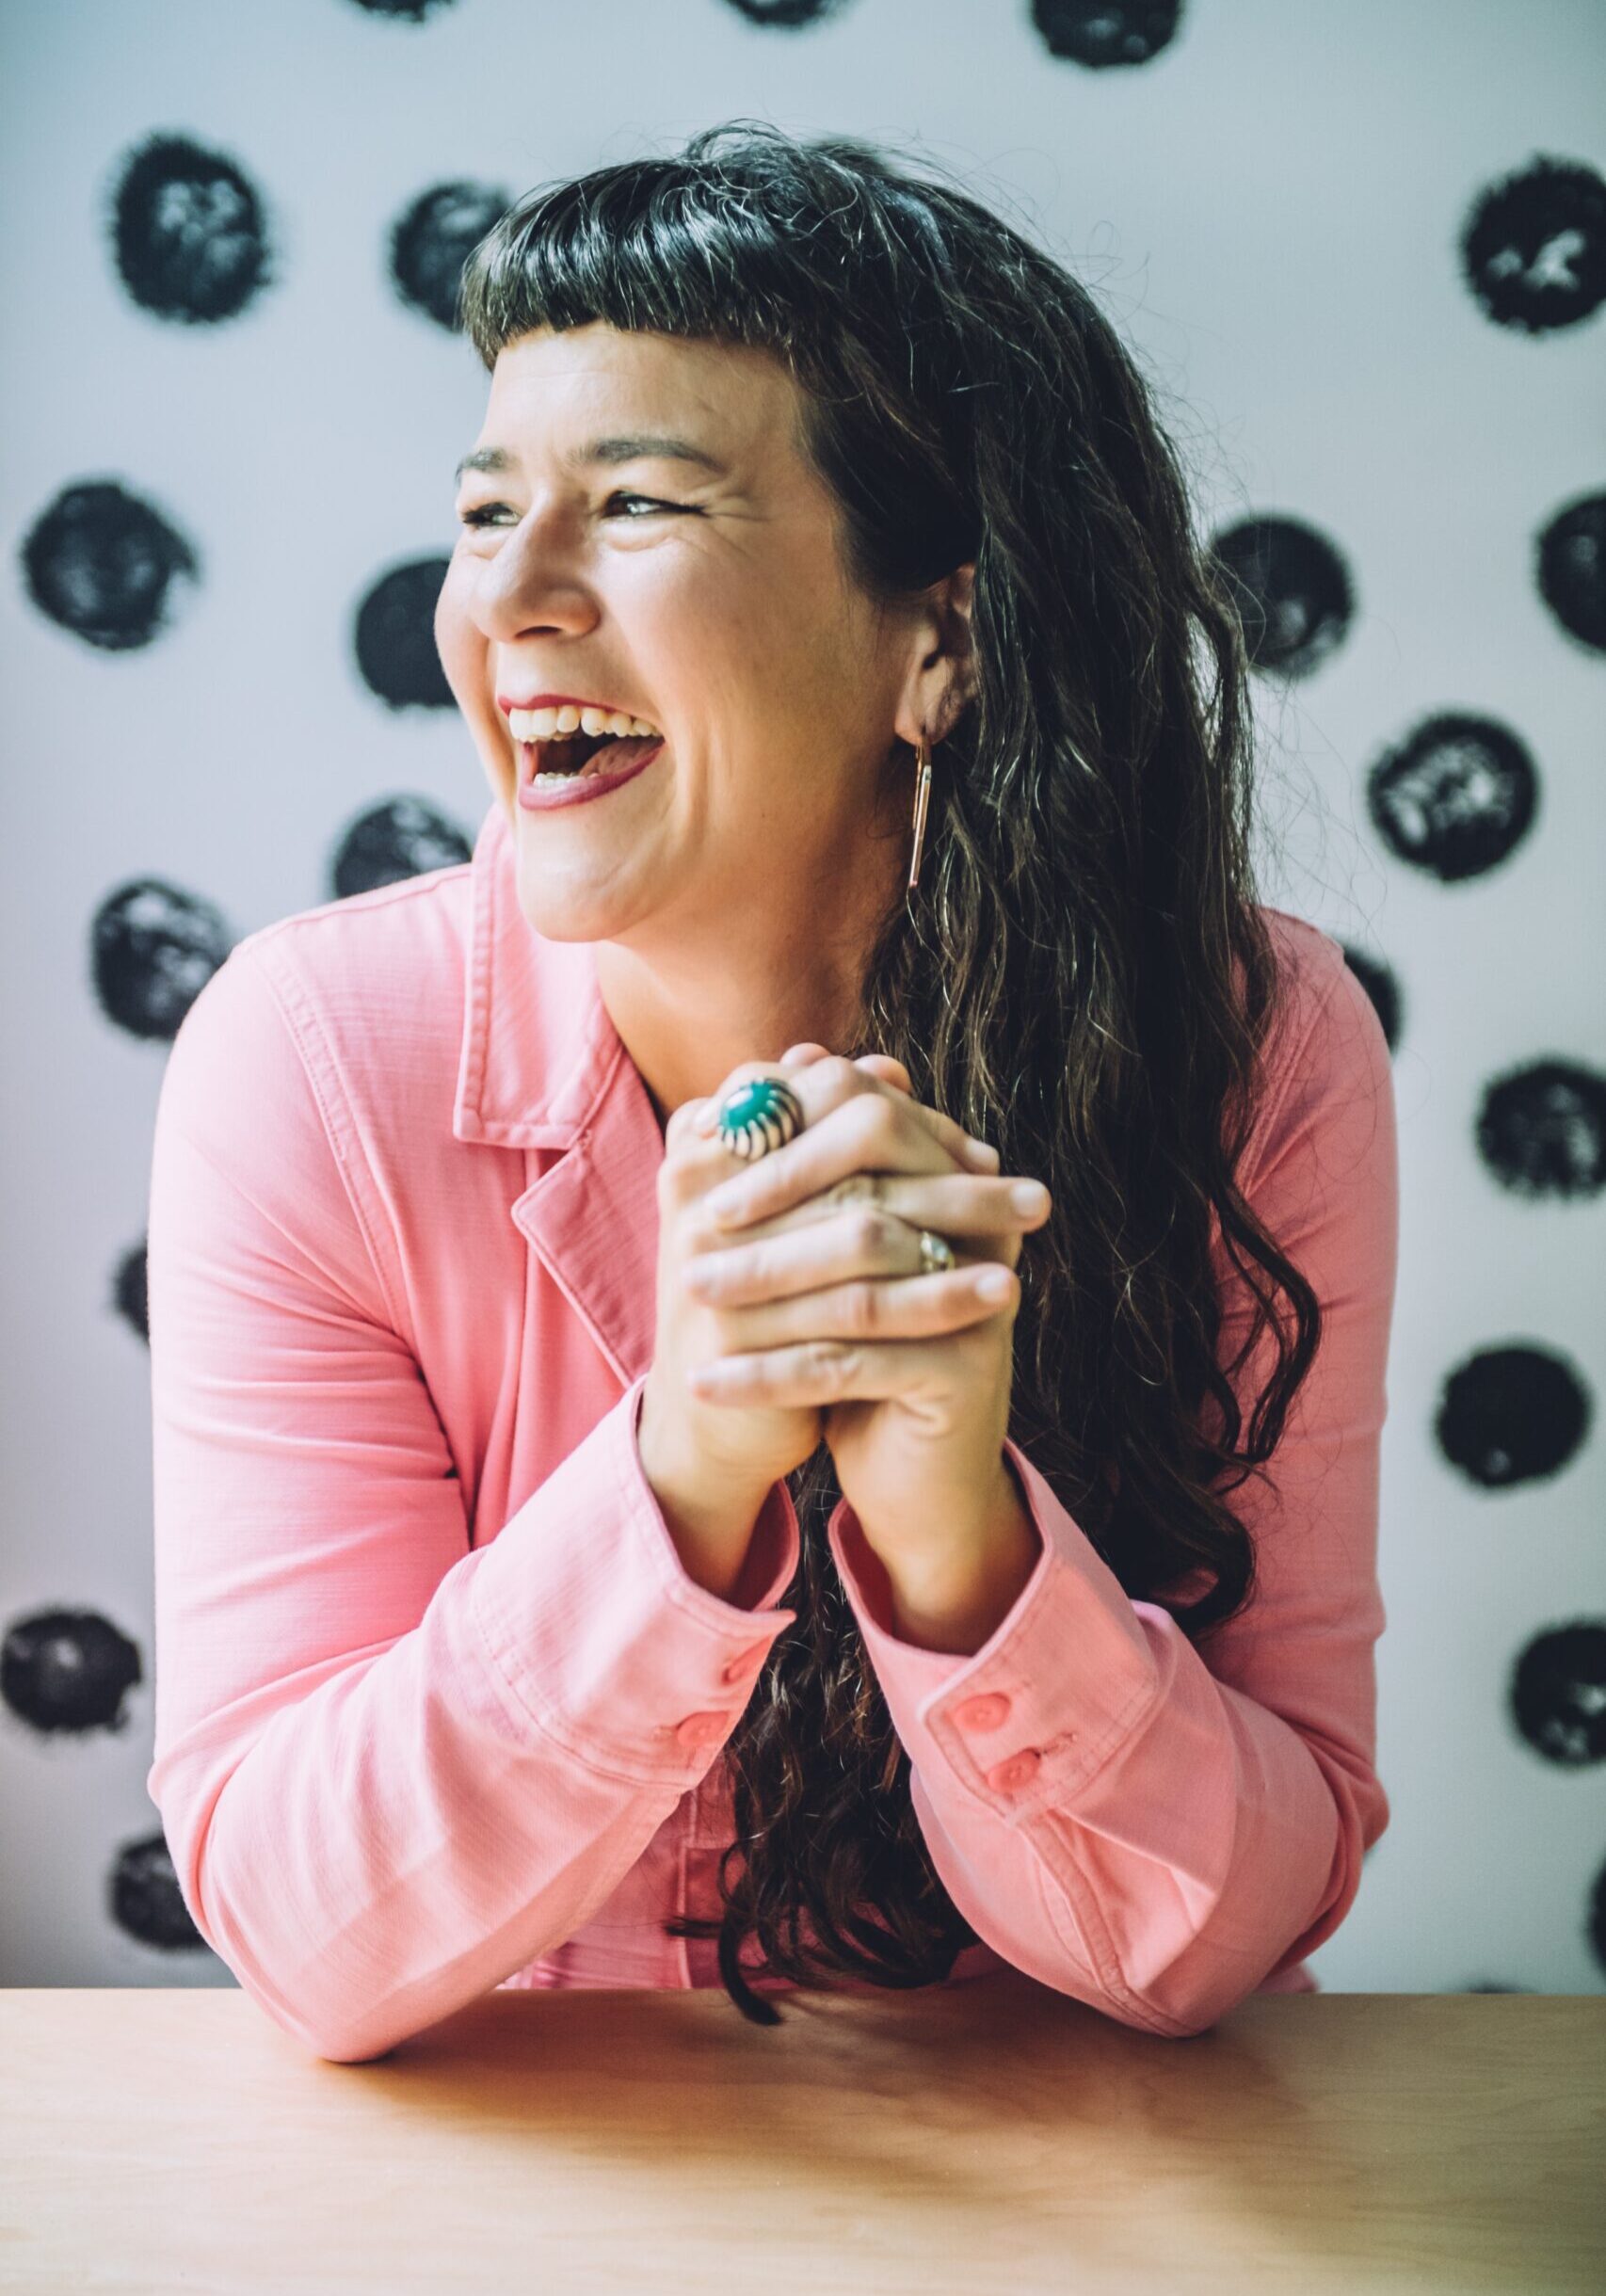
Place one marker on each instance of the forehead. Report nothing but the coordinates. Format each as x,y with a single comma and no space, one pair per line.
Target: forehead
550,392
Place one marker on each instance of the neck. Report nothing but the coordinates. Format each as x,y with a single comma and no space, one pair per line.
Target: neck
746,982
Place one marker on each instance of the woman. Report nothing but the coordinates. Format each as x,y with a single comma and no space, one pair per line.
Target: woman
560,1585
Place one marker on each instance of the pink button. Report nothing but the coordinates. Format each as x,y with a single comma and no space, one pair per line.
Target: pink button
739,1665
985,1711
1018,1771
702,1729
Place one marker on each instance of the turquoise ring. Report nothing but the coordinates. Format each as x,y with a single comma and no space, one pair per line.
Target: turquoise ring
759,1116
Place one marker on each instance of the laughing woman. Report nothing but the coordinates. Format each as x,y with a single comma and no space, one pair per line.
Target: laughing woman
778,1380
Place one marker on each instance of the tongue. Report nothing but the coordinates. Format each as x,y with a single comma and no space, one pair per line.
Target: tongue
614,753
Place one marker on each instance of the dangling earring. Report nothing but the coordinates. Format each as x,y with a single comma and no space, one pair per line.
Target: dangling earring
921,798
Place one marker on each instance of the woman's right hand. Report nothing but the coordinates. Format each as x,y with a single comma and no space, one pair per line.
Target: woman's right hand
728,1456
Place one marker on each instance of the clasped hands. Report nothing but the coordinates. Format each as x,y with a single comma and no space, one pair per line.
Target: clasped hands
817,1323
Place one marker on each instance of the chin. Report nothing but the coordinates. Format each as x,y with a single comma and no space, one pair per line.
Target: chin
546,910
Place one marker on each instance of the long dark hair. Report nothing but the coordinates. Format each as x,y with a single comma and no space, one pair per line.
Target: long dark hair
1085,977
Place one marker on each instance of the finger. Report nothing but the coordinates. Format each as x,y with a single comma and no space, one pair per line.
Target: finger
961,1203
822,1080
889,1071
874,1307
823,1371
805,1249
824,1241
865,1128
686,1119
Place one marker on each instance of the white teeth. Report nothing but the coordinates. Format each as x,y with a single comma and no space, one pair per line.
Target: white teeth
551,724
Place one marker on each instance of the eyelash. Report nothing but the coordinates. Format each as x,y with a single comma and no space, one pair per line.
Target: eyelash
480,515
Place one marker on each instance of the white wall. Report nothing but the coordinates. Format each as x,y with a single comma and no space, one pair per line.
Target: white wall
1271,208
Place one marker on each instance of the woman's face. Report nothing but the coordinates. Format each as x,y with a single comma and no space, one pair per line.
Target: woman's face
710,601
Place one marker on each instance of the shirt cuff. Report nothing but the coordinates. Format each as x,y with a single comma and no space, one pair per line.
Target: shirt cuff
1036,1712
599,1632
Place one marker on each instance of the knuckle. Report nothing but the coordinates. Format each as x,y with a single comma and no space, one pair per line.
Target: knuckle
838,1074
679,1183
863,1310
881,1121
871,1231
857,1187
833,1365
679,1119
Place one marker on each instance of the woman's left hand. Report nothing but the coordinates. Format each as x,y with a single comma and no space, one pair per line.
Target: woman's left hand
818,1280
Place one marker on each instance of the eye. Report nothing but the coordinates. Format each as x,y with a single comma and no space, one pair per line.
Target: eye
482,514
651,500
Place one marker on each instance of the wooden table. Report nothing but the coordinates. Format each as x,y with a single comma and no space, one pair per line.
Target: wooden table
991,2137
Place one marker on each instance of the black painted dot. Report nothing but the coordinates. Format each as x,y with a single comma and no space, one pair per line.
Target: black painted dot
1570,568
1455,797
787,15
1292,589
1382,985
1513,1414
101,562
153,949
188,235
1534,246
403,11
1541,1129
396,636
129,1294
1595,1929
406,836
67,1671
1100,33
1558,1693
435,239
146,1901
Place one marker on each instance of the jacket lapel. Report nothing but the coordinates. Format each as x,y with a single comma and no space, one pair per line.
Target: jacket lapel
541,1067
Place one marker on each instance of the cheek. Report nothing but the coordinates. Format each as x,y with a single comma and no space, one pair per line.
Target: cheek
459,643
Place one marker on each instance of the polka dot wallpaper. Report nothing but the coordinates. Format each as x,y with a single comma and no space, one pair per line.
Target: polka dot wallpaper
1361,255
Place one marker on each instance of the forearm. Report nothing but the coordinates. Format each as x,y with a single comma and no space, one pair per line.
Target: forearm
711,1528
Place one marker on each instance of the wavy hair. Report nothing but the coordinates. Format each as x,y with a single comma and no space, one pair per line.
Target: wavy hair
1085,975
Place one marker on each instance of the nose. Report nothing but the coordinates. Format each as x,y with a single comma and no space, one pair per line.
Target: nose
528,587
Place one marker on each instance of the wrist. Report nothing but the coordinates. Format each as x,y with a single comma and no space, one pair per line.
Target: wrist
710,1519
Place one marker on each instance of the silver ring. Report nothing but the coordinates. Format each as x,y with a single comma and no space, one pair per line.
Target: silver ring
935,1253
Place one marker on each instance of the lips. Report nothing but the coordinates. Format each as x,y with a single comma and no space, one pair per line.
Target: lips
505,703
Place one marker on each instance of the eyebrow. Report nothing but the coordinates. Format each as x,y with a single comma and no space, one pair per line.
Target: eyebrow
637,446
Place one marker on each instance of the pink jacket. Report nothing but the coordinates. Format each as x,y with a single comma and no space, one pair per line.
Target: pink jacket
438,1706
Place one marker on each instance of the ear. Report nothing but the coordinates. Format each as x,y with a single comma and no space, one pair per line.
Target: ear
942,677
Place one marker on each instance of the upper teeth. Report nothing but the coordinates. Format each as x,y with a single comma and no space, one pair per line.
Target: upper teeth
549,725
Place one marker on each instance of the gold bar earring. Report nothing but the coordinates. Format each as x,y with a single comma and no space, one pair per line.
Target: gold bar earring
921,798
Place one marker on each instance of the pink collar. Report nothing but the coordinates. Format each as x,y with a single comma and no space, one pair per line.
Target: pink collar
543,1066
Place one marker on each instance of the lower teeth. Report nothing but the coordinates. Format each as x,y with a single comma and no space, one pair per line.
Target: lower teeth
591,770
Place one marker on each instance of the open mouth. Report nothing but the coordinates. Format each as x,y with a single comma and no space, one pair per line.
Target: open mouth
569,757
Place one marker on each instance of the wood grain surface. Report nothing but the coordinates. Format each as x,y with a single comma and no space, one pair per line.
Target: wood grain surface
990,2137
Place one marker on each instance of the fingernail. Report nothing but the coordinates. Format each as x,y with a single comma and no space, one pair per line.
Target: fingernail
981,1153
1029,1195
995,1285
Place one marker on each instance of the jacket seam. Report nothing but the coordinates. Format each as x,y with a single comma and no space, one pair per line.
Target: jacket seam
1095,1939
332,1132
